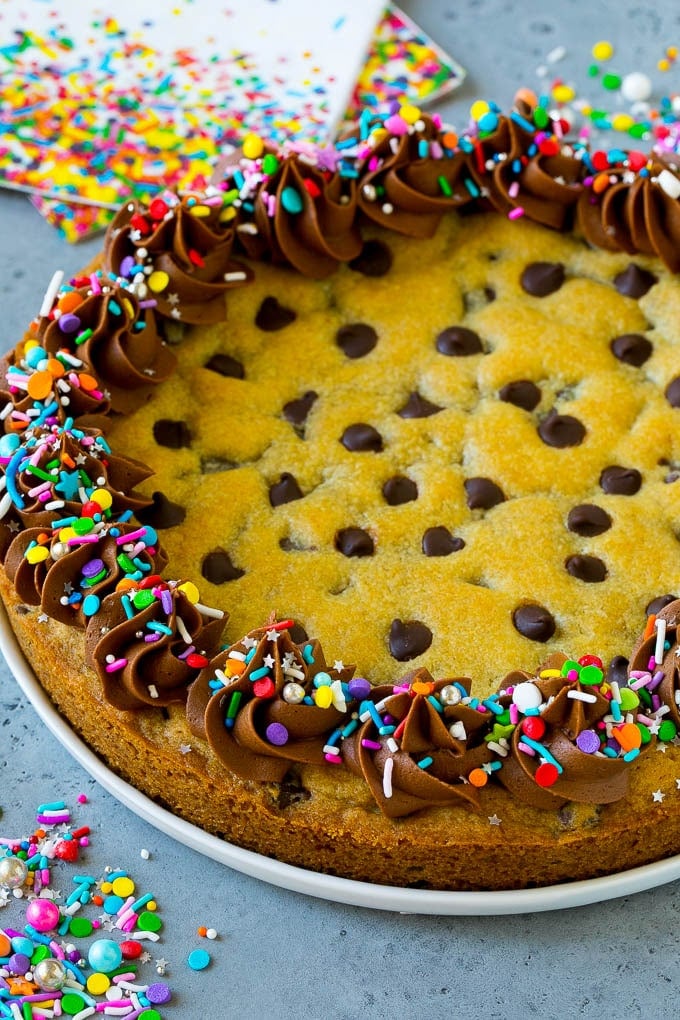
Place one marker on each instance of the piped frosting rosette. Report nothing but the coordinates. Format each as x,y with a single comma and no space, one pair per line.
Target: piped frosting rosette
177,253
49,473
69,568
266,703
655,672
149,641
296,205
417,743
110,325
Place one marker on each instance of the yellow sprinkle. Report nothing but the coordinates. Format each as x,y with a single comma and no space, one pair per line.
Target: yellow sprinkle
550,672
200,211
98,984
323,697
106,887
664,65
253,146
478,109
37,554
563,93
671,52
127,307
151,905
65,534
123,887
409,113
603,50
227,214
622,122
158,281
103,497
191,591
29,345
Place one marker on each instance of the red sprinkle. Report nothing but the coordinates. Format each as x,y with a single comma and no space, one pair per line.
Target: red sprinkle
196,258
264,688
151,581
546,774
131,949
283,625
600,160
591,660
549,147
158,209
140,223
533,726
197,661
311,187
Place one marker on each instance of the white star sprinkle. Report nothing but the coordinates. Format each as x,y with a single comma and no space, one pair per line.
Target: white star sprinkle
661,747
14,526
338,665
149,371
43,618
185,748
173,299
658,796
249,642
81,459
4,897
494,820
175,313
68,588
268,661
677,784
654,727
272,635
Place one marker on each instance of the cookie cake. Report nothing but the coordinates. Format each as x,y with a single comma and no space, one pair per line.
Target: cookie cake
340,503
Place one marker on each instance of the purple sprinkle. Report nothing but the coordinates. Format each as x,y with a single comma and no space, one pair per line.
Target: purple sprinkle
166,601
93,568
359,688
69,323
588,742
19,963
126,265
277,734
158,993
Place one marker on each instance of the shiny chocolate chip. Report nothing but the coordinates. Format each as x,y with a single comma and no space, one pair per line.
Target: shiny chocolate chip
459,342
542,278
587,519
361,437
439,541
659,603
272,316
399,489
620,481
218,567
171,433
631,348
617,671
354,542
356,339
634,281
374,259
522,393
561,430
225,365
296,411
586,568
482,493
534,622
285,490
418,407
298,634
409,639
162,513
673,392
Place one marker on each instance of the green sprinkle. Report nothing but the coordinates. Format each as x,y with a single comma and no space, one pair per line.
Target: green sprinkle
82,337
142,599
125,563
667,730
445,186
612,81
541,117
39,473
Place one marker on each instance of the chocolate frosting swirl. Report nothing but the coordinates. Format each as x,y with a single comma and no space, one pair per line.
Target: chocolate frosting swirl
281,714
149,643
660,677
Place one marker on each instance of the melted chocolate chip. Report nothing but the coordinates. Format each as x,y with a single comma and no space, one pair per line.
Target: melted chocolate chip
272,316
659,603
634,281
285,490
170,433
224,364
361,437
356,339
409,639
534,622
418,407
586,568
522,393
542,278
620,481
459,342
375,259
673,392
617,671
296,411
218,567
482,493
399,489
561,430
298,634
354,542
587,519
631,348
440,542
162,513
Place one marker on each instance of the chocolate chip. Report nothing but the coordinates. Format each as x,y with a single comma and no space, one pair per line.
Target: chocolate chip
620,481
542,278
459,342
399,489
482,493
522,393
588,520
354,542
617,671
375,259
356,339
586,568
272,316
418,407
285,490
534,622
162,513
298,634
561,430
409,639
170,433
673,392
659,603
296,411
217,567
440,542
361,437
631,348
224,364
634,281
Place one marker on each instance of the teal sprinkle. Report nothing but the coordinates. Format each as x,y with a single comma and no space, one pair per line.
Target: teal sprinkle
425,763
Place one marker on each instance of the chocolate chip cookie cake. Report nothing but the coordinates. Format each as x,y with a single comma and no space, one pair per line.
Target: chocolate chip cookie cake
341,503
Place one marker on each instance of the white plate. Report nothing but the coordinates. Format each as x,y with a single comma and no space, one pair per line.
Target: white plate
327,887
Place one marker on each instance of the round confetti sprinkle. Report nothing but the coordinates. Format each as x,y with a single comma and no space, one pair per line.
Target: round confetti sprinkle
149,922
602,51
80,927
198,959
158,993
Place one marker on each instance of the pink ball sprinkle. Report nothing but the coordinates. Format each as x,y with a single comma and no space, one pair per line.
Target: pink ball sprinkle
82,798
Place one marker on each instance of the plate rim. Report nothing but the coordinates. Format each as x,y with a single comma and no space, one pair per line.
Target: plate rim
345,891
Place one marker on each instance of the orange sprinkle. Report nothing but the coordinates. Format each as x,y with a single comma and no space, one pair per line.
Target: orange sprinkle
600,183
70,300
98,900
425,687
202,931
43,538
68,461
40,385
234,667
449,139
88,382
125,584
628,736
478,778
55,368
649,629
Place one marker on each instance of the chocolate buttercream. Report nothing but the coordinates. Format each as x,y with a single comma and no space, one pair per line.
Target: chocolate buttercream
660,674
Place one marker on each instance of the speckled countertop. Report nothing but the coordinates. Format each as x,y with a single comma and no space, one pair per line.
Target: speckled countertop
281,954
